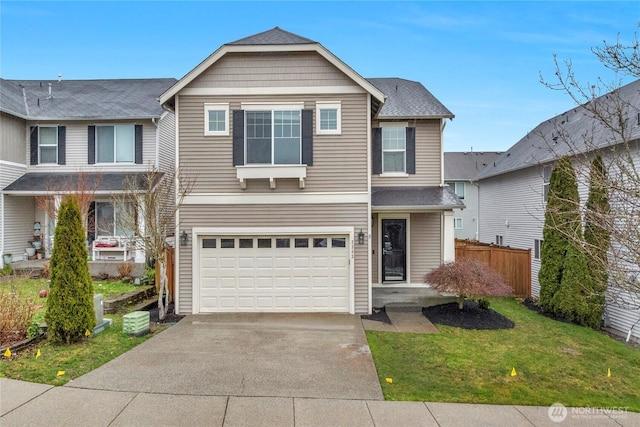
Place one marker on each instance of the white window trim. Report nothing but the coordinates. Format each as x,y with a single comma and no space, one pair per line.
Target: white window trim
48,145
115,144
216,107
455,222
329,105
394,173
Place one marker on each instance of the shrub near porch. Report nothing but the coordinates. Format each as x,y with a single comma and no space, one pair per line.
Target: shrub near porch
554,362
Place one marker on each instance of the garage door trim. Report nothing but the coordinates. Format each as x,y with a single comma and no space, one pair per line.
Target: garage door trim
198,232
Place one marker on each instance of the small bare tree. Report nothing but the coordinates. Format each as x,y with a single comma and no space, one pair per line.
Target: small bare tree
609,114
467,277
157,197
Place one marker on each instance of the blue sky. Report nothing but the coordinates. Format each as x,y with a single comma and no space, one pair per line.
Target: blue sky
483,60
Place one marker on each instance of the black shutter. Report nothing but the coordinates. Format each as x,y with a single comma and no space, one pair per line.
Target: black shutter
307,137
138,144
91,148
376,152
34,145
62,145
238,137
411,150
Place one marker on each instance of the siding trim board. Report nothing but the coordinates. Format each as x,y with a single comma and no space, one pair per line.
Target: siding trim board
276,199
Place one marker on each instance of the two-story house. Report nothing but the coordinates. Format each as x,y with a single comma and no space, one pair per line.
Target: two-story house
76,135
514,188
313,184
460,171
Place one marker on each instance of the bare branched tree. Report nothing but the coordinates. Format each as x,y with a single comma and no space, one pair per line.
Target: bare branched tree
157,197
606,123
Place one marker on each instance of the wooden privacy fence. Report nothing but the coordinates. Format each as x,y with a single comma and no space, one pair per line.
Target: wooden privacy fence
513,264
170,273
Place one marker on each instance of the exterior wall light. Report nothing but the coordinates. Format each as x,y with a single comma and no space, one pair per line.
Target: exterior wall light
361,237
184,238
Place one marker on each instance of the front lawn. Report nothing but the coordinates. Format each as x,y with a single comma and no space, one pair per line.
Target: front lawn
553,361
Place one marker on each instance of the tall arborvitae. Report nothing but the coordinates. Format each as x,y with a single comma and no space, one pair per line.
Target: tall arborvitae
596,229
70,304
561,223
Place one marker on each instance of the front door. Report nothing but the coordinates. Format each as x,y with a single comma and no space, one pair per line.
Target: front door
394,245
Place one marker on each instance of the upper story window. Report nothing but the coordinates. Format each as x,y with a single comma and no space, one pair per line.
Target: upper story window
48,144
457,223
115,144
394,149
459,189
273,137
394,146
328,118
216,119
546,178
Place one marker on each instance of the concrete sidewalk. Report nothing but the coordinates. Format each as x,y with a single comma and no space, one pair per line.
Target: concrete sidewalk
29,404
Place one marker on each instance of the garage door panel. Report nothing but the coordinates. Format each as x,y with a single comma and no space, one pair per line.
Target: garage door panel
248,274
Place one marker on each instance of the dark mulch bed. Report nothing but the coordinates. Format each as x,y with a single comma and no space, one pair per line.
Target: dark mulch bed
470,317
170,317
378,315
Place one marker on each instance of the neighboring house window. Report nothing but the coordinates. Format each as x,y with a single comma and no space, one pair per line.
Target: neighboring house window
216,119
109,219
273,137
48,144
459,189
537,248
499,240
546,172
115,144
328,118
394,146
457,223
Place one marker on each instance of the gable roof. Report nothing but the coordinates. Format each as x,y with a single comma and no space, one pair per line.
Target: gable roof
83,99
547,141
274,40
407,99
272,37
465,165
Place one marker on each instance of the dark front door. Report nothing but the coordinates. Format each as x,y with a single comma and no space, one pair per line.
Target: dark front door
394,242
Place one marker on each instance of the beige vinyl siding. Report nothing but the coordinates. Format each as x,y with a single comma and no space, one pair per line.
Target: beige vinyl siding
425,253
339,161
424,249
77,148
325,215
13,134
428,158
271,69
18,227
167,142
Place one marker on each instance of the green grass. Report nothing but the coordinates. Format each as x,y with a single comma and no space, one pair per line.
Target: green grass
75,360
554,362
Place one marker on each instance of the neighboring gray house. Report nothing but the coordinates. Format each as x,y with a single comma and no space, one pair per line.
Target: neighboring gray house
513,188
460,172
54,131
314,184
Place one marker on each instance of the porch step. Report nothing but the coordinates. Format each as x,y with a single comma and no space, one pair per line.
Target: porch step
403,307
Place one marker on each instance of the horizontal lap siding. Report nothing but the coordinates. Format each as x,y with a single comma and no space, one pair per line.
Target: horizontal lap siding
18,216
428,158
339,161
330,215
242,70
167,142
77,148
517,198
425,244
13,134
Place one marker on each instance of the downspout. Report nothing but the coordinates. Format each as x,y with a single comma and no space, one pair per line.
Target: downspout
2,226
444,124
478,207
631,329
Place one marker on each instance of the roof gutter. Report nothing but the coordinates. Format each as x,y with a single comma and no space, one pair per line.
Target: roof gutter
416,208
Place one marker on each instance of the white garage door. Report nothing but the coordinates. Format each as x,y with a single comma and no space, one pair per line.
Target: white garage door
277,274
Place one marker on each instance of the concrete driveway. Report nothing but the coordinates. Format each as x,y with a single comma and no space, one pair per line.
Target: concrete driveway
280,355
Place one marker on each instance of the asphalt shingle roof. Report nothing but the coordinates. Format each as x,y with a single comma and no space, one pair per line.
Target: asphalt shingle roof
467,165
548,141
408,99
436,198
274,36
83,99
42,182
